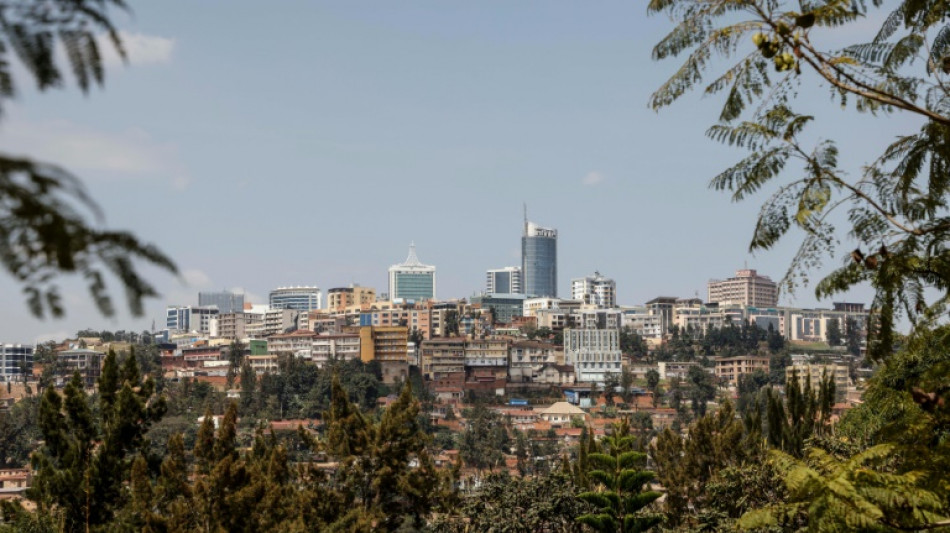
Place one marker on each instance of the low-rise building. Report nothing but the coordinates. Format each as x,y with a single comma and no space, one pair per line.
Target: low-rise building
728,369
594,353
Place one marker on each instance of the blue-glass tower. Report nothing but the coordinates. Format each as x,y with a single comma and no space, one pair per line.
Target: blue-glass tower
539,261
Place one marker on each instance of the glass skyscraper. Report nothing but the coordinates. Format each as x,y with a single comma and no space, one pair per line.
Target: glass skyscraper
539,261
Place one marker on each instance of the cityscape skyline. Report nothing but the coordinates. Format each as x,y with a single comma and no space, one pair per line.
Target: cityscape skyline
435,125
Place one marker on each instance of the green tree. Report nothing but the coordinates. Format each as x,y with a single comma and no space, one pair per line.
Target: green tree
653,383
85,459
895,206
620,499
833,334
44,227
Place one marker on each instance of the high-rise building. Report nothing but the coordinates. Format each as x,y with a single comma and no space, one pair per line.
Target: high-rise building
504,280
225,301
595,290
297,298
539,260
412,280
746,288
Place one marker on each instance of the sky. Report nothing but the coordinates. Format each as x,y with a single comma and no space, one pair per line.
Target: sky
308,143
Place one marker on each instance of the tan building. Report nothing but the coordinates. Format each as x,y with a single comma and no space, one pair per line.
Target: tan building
527,358
728,369
442,357
298,343
746,288
389,346
562,414
341,298
235,325
815,373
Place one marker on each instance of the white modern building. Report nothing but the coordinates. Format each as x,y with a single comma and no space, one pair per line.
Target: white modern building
412,280
297,298
594,353
16,361
595,290
504,281
190,318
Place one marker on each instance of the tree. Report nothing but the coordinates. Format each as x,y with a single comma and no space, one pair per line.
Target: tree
833,334
895,206
620,499
87,454
854,337
702,389
653,383
44,226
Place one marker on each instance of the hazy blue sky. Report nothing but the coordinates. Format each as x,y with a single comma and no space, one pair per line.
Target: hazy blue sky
264,144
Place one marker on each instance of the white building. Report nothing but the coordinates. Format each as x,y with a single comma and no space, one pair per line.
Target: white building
504,281
593,353
412,280
534,304
595,290
297,298
190,318
16,361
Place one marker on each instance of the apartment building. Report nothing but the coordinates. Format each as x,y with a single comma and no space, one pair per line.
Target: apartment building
527,358
442,357
341,347
298,344
341,298
596,290
815,373
235,325
728,369
389,346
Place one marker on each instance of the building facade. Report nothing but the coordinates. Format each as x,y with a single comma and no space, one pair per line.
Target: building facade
340,298
504,281
296,298
189,318
16,361
539,260
225,301
595,290
594,353
503,307
412,280
746,288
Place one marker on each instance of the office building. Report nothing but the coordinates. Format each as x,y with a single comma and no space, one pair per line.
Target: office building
340,298
595,290
190,318
225,301
296,298
412,280
746,288
16,361
594,353
503,307
539,261
503,280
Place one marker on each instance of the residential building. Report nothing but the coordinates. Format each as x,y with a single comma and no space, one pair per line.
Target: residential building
279,320
815,373
747,288
236,325
85,361
531,305
487,353
643,321
662,306
342,347
389,346
596,319
563,414
340,298
443,357
412,280
296,298
674,369
595,290
504,306
225,301
16,362
504,281
539,260
594,353
298,344
527,358
728,369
